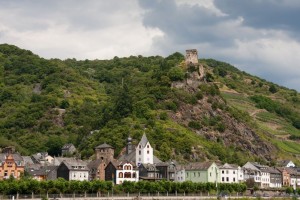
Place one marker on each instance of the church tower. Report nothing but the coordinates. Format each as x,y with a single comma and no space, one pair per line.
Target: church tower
144,152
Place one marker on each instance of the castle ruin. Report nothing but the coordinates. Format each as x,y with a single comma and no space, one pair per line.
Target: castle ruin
191,57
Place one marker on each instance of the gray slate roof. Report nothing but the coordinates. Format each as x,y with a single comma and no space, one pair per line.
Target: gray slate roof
27,160
198,166
144,140
131,157
67,146
76,165
104,146
94,163
17,157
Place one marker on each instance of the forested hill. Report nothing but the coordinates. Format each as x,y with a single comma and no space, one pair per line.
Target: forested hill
228,115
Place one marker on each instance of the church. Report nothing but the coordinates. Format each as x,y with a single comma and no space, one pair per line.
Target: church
136,163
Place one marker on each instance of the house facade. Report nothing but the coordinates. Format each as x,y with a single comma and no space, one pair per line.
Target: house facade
275,178
230,174
127,171
104,154
11,165
252,172
68,149
149,172
180,174
73,170
202,172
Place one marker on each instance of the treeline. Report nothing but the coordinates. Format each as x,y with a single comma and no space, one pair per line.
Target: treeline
61,186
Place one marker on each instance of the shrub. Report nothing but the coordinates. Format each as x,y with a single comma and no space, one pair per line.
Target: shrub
221,127
163,116
273,89
195,125
176,74
199,95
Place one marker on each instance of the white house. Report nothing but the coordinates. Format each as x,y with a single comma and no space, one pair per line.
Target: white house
286,163
127,171
73,170
180,174
230,173
144,152
252,172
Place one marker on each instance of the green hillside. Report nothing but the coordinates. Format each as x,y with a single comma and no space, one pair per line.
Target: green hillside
232,116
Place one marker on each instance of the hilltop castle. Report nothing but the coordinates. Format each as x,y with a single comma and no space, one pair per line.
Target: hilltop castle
191,57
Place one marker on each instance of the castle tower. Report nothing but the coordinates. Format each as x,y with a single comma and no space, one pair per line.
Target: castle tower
191,57
144,152
104,152
129,146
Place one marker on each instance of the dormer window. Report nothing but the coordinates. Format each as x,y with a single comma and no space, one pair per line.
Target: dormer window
148,146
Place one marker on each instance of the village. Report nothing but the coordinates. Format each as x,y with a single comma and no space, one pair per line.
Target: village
137,163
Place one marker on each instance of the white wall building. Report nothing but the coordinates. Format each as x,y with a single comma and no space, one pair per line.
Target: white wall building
252,172
127,172
180,175
144,152
229,173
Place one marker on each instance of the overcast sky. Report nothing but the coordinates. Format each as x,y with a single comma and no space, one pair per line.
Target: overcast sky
260,37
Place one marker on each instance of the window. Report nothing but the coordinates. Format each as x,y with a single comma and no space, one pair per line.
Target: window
210,174
227,172
199,174
140,146
140,152
233,172
194,174
227,179
233,179
127,175
222,171
148,152
148,146
222,179
134,175
120,175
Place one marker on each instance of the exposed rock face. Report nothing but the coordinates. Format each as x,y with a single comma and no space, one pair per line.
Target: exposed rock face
236,134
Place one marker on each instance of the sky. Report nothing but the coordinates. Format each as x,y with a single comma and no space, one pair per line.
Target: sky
260,37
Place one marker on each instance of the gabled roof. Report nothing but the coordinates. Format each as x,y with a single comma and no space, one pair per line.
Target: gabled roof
27,160
67,146
149,167
17,157
144,140
76,165
103,146
131,157
228,166
273,170
95,163
113,163
284,163
199,166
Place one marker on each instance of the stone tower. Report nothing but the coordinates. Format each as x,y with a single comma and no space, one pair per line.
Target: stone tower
191,57
104,152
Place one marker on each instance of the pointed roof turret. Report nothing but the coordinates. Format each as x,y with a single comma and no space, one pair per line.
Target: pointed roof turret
144,140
